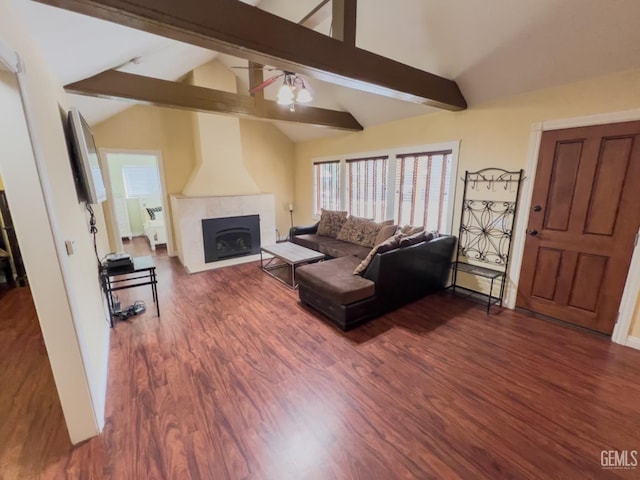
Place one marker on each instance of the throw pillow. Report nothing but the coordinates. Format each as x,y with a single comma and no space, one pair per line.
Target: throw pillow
389,244
408,240
433,234
385,232
411,229
353,230
370,232
331,221
152,212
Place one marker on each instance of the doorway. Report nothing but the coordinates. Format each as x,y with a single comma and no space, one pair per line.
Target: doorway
136,197
583,222
33,433
11,264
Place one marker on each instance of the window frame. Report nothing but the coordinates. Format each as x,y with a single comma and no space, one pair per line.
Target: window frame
393,154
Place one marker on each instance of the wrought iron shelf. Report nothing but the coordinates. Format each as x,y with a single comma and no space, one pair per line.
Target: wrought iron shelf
489,205
477,296
477,270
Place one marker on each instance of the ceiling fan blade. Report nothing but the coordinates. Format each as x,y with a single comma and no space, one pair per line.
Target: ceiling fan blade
266,83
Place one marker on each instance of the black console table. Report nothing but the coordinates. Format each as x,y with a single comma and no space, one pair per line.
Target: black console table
145,274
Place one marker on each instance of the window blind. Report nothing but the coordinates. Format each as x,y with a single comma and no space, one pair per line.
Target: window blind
326,181
367,187
422,181
141,181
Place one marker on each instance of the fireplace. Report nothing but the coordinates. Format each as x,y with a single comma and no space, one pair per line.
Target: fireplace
230,237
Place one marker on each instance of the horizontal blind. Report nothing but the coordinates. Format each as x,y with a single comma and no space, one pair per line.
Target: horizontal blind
326,185
141,181
422,188
367,187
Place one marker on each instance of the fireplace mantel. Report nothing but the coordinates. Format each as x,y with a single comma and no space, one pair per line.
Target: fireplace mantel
189,211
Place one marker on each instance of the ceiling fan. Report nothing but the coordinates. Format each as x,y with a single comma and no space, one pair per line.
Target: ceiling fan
294,88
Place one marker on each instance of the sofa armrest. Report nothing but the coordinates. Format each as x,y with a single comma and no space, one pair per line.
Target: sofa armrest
411,272
303,230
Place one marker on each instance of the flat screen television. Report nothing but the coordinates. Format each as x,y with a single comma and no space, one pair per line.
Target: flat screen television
86,163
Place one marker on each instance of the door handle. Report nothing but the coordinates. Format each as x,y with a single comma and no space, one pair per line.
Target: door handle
537,208
533,232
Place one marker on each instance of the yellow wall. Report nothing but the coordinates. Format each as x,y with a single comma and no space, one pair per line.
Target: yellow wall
65,288
493,134
1,184
148,128
220,168
267,154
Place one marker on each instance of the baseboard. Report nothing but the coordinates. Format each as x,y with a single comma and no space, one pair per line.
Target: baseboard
633,342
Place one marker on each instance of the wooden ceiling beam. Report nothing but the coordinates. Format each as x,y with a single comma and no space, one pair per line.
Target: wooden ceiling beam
319,14
344,21
162,93
235,28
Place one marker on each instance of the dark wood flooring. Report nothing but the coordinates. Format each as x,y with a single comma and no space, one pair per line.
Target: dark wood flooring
139,246
32,431
237,381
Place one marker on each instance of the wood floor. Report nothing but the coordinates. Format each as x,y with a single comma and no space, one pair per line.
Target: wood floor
139,246
237,381
32,430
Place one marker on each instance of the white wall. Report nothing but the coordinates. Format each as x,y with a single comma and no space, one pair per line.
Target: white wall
46,212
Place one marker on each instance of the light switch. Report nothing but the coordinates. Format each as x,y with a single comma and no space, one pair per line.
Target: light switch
70,245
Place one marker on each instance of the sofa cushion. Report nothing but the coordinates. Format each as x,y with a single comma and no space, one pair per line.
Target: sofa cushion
387,231
408,240
343,249
331,221
411,229
370,232
362,231
334,280
389,244
353,229
311,240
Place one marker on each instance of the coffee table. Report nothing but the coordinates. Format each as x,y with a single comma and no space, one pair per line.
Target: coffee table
286,256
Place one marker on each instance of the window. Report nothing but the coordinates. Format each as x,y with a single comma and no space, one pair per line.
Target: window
140,181
367,187
326,191
413,185
422,181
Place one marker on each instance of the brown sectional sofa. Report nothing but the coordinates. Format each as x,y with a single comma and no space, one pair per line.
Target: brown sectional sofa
392,279
308,237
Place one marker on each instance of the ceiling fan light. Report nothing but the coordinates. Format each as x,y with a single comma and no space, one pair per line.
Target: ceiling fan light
285,95
304,96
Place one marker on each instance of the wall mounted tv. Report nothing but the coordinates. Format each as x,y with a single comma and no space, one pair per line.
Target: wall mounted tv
85,161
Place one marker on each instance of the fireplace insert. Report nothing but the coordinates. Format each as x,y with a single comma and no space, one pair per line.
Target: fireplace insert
230,237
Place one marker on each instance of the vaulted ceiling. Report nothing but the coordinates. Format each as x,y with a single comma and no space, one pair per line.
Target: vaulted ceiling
492,49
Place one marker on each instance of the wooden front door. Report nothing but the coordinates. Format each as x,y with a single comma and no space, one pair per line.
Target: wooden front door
585,214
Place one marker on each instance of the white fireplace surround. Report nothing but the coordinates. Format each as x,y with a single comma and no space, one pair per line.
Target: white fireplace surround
189,211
